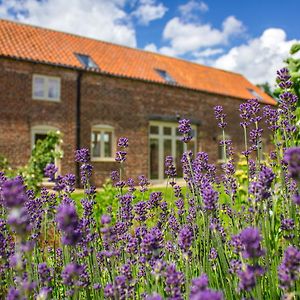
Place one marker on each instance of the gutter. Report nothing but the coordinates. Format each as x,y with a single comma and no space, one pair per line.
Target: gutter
78,122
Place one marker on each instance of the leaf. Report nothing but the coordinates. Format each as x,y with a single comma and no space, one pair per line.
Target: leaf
295,48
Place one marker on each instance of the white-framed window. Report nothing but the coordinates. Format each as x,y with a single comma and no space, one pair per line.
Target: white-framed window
222,152
46,87
164,140
102,143
39,132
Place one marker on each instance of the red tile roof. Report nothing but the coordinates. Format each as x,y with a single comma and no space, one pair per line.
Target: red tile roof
27,42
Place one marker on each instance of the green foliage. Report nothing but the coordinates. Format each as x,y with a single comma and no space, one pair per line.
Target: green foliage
293,64
266,88
44,152
4,165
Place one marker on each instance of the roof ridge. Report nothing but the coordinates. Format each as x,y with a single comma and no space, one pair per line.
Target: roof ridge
117,45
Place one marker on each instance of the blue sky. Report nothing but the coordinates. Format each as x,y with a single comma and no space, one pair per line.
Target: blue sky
251,37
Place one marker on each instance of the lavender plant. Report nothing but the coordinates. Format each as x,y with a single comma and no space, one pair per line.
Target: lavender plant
233,235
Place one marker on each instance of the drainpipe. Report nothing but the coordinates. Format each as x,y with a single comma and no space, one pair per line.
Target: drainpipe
78,123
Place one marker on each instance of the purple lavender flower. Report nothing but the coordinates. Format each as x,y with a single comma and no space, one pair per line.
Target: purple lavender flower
68,223
287,224
271,117
292,159
185,239
105,219
283,78
143,183
261,188
296,198
283,74
153,297
130,184
14,294
152,243
199,284
44,273
123,142
174,282
207,295
220,116
85,173
235,266
50,171
210,197
289,270
236,243
185,129
74,275
213,254
13,193
82,155
251,239
247,279
19,220
170,169
115,176
141,210
120,156
155,199
69,181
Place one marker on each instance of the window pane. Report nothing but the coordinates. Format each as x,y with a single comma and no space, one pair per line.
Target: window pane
154,159
154,129
107,139
96,144
39,87
53,88
167,150
167,130
179,152
221,154
39,137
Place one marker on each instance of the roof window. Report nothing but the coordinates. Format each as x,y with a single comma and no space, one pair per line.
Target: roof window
255,94
86,61
165,75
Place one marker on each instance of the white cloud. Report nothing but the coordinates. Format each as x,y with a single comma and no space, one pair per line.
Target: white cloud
151,47
208,52
102,19
185,37
191,8
260,57
148,11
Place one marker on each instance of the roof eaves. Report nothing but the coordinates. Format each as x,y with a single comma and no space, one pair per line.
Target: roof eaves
103,72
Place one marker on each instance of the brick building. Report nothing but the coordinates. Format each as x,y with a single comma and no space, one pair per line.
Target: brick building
94,92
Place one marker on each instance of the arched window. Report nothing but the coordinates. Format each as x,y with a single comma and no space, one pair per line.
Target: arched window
39,132
102,143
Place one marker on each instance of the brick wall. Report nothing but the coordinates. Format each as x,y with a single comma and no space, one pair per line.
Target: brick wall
122,103
20,113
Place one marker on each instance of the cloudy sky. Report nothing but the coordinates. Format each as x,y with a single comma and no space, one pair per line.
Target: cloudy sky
251,37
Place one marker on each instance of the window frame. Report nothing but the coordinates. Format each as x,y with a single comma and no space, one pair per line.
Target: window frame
161,137
220,139
90,65
103,128
45,129
165,75
46,88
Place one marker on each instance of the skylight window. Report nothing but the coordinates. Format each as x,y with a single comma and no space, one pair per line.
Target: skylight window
165,75
255,94
86,61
